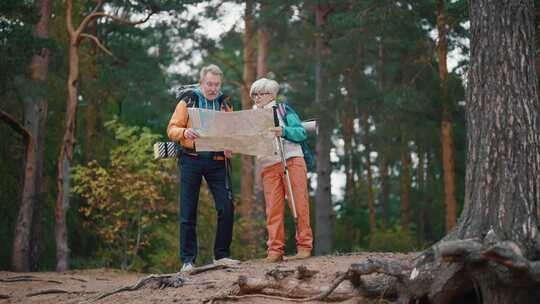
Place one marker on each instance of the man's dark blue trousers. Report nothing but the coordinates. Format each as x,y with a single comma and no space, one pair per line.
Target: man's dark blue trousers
193,169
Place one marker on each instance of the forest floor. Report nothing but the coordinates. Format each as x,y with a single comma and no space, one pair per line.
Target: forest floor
82,286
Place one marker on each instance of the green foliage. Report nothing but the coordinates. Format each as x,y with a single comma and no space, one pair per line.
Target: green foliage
393,240
125,200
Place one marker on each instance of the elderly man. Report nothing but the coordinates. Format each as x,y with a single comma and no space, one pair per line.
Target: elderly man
195,165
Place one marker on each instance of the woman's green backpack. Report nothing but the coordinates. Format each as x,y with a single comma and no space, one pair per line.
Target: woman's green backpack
285,109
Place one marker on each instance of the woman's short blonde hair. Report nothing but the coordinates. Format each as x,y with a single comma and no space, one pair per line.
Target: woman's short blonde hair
264,85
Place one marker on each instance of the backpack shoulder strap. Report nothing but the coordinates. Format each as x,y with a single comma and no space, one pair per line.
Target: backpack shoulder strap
282,111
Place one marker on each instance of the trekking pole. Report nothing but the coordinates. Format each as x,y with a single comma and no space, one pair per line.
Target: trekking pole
285,167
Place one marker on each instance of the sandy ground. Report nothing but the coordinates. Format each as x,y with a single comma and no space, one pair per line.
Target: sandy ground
81,286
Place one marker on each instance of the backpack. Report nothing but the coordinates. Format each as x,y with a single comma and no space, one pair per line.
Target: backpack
285,109
187,93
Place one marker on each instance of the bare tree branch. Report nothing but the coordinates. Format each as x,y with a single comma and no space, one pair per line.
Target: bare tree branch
89,17
15,125
98,43
115,18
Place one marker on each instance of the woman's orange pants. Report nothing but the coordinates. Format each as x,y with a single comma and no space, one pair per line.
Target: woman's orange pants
275,189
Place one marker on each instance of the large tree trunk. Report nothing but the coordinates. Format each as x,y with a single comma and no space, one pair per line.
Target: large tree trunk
26,243
246,191
447,132
503,165
323,197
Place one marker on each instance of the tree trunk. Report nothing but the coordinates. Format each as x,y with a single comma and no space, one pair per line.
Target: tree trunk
27,240
447,133
347,131
258,207
385,154
369,178
246,180
66,150
385,189
323,197
503,139
404,184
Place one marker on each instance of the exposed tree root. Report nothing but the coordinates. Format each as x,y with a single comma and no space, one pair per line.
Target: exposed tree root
286,285
162,281
27,278
47,291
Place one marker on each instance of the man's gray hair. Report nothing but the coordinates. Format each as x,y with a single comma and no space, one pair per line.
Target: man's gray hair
212,68
264,85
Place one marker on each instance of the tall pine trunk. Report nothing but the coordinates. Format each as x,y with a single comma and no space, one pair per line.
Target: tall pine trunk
447,132
323,197
258,208
502,181
27,239
247,194
385,153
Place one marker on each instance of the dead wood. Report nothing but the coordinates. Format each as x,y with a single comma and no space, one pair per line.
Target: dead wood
282,285
46,291
162,281
4,296
27,278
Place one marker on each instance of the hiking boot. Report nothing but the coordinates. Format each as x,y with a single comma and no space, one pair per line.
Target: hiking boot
187,267
273,258
226,262
302,254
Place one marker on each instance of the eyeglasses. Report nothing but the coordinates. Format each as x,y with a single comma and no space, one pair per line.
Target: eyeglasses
255,95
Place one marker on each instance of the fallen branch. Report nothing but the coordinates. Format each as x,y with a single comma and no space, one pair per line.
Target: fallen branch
165,280
46,291
27,278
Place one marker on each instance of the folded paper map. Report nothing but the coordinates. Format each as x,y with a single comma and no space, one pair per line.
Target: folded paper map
244,132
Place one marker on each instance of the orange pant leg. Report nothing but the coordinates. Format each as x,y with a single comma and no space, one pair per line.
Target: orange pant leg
298,175
274,195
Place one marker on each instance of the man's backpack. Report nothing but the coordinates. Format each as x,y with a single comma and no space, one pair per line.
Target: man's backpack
285,109
187,94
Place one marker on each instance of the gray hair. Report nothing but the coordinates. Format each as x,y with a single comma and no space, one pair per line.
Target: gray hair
264,85
212,68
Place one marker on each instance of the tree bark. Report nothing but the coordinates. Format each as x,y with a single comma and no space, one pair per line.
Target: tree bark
248,169
385,154
27,240
503,139
258,208
323,197
447,132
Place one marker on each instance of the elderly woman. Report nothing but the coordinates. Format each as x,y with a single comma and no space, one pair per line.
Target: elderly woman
264,92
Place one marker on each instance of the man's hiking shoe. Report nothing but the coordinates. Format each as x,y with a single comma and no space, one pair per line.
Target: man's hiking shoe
226,261
273,258
187,267
302,254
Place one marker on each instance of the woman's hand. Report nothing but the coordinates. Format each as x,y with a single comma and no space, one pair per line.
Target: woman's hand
228,153
277,130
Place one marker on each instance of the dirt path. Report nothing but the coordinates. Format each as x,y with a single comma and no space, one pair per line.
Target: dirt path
79,286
